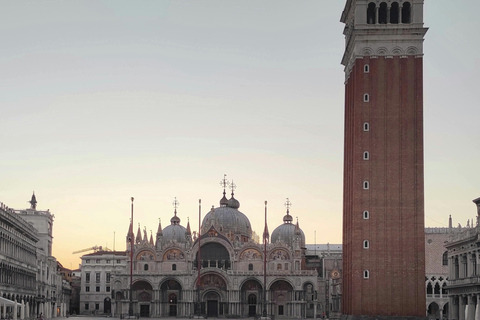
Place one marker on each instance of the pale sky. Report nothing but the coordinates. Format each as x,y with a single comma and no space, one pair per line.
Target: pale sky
104,100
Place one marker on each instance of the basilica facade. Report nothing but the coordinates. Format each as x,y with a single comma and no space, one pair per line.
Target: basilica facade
221,271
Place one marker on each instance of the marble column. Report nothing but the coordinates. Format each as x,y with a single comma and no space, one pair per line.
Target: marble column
461,308
477,310
470,311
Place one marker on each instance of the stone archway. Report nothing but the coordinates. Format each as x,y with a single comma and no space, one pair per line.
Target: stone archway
251,297
281,293
433,311
171,293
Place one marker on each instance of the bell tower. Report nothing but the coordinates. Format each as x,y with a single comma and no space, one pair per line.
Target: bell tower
383,201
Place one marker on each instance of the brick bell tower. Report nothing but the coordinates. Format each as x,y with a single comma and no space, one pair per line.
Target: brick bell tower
383,201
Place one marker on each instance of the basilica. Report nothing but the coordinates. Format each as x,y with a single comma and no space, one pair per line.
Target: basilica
221,271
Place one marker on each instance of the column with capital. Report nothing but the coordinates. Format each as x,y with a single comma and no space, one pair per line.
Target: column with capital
470,311
477,310
461,307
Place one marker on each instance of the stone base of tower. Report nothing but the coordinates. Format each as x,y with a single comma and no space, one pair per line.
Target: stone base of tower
350,317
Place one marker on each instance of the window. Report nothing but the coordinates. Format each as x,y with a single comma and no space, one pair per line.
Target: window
286,266
97,289
279,266
406,14
108,261
97,276
87,289
366,126
86,306
366,185
366,97
366,68
97,261
174,266
394,13
445,258
87,277
118,261
87,261
97,306
382,13
145,267
109,276
107,289
371,13
366,244
250,267
366,274
366,215
366,155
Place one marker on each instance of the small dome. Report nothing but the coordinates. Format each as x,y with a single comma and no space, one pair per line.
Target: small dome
287,231
233,203
174,232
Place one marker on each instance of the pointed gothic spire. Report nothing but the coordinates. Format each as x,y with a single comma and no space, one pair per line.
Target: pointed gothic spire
297,228
138,239
188,232
159,230
33,202
151,238
145,238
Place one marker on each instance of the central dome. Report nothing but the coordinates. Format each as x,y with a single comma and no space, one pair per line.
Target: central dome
228,220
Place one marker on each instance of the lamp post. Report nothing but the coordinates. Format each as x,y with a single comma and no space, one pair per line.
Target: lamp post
130,304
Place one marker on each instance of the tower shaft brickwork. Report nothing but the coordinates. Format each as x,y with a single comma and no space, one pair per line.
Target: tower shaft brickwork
383,218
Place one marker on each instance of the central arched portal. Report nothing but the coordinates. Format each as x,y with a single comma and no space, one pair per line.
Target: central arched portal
212,304
281,293
171,293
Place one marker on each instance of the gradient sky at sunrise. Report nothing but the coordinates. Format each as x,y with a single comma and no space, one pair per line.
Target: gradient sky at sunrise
104,100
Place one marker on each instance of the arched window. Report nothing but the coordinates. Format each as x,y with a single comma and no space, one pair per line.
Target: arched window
366,155
366,126
366,185
366,97
445,258
250,267
366,215
145,267
394,13
366,274
429,288
366,68
406,12
444,290
366,244
436,289
371,13
174,266
382,13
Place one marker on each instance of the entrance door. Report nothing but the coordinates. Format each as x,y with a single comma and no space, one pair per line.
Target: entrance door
145,310
252,305
212,308
172,300
107,306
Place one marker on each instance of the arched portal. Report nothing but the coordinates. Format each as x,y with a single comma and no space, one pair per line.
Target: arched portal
252,295
213,255
281,293
213,300
107,305
142,292
433,311
171,293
